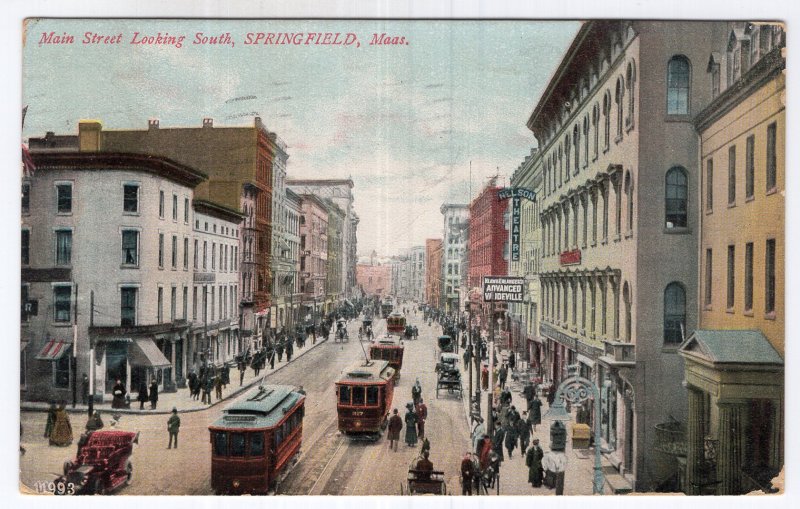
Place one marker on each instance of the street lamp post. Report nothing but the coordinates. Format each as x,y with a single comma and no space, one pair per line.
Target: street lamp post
576,390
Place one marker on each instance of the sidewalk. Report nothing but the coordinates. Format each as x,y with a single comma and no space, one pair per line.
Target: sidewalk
181,399
579,475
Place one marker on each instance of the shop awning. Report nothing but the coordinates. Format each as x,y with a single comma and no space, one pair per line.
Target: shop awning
144,352
54,350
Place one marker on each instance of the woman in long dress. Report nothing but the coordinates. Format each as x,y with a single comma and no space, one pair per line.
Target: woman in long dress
62,429
411,426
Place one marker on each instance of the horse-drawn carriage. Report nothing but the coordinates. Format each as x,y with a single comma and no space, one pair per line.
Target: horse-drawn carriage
366,329
341,331
409,333
446,344
102,463
448,377
424,482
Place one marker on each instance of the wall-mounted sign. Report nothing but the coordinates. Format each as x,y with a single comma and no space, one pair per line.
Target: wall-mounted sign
571,257
515,194
503,288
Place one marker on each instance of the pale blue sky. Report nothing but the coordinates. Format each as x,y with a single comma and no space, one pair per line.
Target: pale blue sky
403,121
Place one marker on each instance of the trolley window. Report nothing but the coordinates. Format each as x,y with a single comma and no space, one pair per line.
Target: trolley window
372,395
256,444
344,394
220,444
237,444
358,395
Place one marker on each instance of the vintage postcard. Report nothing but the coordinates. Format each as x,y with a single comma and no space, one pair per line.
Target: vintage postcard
402,257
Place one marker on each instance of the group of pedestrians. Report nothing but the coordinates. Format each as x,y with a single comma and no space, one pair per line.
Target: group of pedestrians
146,394
210,378
415,417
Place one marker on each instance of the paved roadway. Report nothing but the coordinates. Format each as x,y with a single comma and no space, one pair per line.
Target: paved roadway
329,463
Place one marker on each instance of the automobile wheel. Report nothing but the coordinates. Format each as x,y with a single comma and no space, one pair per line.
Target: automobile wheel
128,472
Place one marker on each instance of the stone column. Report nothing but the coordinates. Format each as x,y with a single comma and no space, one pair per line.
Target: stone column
695,433
776,435
729,454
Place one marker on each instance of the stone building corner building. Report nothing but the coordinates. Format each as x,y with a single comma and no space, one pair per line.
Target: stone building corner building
619,222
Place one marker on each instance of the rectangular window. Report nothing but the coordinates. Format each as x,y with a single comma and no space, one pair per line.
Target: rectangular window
732,175
161,250
731,276
130,247
173,304
186,210
61,372
256,444
130,198
213,255
161,204
26,198
174,252
174,207
185,253
160,304
709,277
748,277
194,303
205,253
185,302
26,247
62,303
710,185
194,255
769,279
771,157
64,198
749,184
220,443
63,247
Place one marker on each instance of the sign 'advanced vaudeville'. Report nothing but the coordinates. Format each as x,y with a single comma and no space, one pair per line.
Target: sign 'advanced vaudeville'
503,288
516,194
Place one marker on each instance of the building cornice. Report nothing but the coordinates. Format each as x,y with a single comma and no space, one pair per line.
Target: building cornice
217,210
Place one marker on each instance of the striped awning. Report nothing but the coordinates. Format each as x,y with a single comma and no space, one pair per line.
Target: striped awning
54,350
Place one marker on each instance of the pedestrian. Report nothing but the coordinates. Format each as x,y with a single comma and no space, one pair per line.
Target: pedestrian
502,374
191,381
143,397
218,386
524,434
497,440
416,392
226,375
256,363
485,448
533,460
422,416
528,393
411,426
118,392
85,388
153,394
269,355
241,373
51,419
173,425
512,361
467,474
61,434
279,347
208,384
395,425
289,351
535,413
485,377
94,422
510,439
551,395
554,464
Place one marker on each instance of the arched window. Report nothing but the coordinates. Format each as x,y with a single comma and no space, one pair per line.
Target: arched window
676,193
629,193
678,71
630,80
576,139
585,140
674,314
619,97
567,160
606,119
596,127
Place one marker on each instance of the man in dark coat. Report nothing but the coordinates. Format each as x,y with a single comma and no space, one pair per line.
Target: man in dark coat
416,392
256,362
524,434
191,381
535,413
153,394
511,438
422,416
512,361
173,426
269,355
279,346
503,375
289,351
395,425
241,373
119,395
226,375
528,393
143,396
85,388
208,384
497,440
533,460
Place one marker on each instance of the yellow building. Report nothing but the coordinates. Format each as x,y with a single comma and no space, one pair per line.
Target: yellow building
734,361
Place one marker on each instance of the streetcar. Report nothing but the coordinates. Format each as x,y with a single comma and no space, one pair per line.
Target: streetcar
388,349
386,307
364,398
256,440
396,323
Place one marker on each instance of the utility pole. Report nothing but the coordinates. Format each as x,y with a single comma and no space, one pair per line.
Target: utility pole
91,354
490,426
74,359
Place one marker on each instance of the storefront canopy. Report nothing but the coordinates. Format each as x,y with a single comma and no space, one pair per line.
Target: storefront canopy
54,350
144,352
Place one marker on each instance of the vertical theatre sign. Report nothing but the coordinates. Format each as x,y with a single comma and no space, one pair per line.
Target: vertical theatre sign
516,194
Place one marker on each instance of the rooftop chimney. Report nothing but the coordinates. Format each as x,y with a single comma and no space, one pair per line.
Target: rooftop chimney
208,122
152,123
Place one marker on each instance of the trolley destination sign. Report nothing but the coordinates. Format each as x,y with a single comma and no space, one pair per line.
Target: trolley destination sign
503,289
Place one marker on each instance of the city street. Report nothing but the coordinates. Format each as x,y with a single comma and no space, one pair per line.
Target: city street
329,464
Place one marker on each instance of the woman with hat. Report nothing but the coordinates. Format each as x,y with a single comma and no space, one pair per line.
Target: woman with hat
411,425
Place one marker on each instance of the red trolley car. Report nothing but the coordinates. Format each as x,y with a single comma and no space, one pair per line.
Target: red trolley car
364,398
388,349
396,323
255,440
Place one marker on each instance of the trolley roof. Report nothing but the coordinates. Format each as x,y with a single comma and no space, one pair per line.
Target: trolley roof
387,341
366,372
263,408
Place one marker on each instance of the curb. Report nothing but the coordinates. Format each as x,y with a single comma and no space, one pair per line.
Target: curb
82,409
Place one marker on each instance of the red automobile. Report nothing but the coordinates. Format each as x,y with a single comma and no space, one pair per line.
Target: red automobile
102,464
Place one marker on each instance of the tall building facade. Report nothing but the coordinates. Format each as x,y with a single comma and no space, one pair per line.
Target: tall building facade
334,286
313,256
374,279
433,272
619,218
282,259
417,264
456,222
734,361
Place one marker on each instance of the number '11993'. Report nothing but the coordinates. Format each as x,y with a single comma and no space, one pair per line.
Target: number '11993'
56,488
